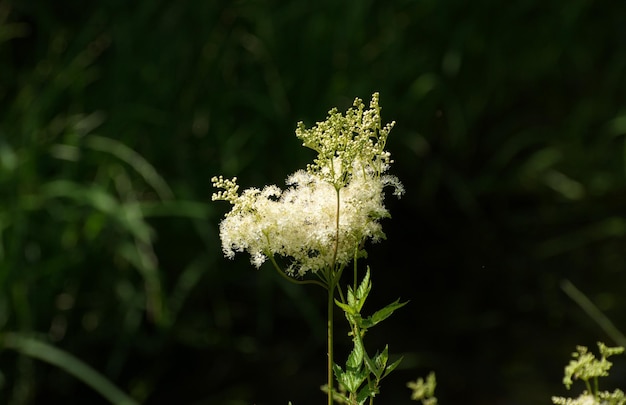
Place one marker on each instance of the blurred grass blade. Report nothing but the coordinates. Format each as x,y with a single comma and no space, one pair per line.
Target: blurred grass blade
594,312
43,351
608,228
128,215
142,257
134,159
189,278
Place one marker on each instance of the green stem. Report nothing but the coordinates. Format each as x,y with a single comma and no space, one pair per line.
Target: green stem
589,388
331,289
355,269
332,268
333,280
341,296
293,280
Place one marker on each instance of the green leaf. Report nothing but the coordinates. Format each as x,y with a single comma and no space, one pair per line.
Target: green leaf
346,307
366,392
371,365
351,379
381,358
364,289
346,378
355,359
384,313
352,301
338,371
392,367
356,380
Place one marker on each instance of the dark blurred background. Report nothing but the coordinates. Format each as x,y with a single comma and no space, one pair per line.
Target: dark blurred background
114,115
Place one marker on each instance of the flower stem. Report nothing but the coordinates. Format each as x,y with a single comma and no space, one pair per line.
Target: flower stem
333,280
331,290
291,279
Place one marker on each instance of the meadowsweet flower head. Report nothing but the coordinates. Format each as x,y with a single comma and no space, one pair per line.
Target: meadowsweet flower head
325,213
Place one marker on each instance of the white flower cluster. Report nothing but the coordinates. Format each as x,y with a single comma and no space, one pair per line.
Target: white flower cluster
606,398
601,398
316,222
584,399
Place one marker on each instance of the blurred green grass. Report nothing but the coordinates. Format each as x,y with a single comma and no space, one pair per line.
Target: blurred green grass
114,116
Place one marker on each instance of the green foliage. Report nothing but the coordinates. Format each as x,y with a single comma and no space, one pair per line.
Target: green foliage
80,276
360,379
78,198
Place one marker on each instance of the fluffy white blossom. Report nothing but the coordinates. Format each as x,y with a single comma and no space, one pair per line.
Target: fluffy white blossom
584,399
326,212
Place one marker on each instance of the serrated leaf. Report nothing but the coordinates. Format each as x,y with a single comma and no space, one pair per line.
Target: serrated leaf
381,358
346,308
338,371
364,289
343,379
355,359
365,393
351,298
352,380
371,366
386,312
